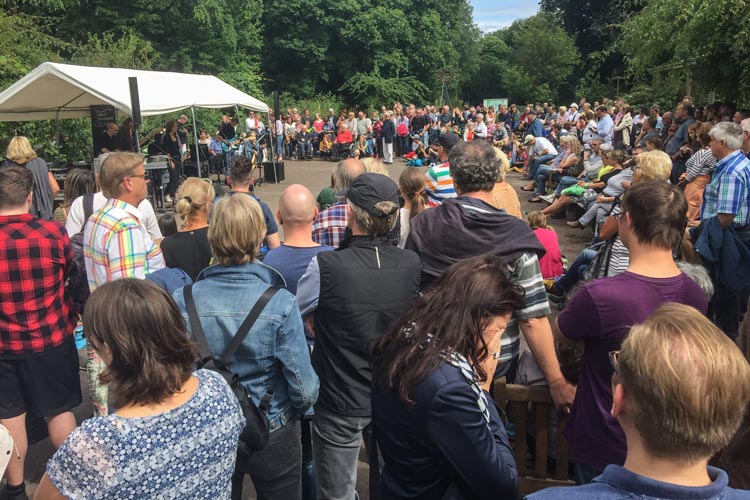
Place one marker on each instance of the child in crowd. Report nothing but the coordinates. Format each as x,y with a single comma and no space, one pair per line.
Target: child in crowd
411,186
370,142
551,264
326,146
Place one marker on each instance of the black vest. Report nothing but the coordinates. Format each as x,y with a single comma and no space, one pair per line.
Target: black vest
364,288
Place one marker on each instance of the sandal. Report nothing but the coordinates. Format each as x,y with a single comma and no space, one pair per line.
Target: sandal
535,199
529,187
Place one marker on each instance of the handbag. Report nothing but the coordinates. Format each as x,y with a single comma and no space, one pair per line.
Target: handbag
254,435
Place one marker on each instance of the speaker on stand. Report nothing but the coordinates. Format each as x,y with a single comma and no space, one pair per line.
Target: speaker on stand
135,108
273,171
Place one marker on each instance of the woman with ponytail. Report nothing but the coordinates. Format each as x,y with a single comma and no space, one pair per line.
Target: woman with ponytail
412,184
188,249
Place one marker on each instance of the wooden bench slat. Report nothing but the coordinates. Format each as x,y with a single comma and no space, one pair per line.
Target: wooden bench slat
541,428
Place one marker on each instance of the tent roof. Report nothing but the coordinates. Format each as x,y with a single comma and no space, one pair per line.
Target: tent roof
55,90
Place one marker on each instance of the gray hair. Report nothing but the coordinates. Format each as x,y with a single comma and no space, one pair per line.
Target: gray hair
745,124
698,274
474,166
346,171
373,225
729,132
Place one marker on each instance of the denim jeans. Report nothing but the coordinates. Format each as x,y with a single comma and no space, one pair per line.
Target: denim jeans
305,149
309,483
279,145
276,470
541,177
575,272
565,183
336,443
537,162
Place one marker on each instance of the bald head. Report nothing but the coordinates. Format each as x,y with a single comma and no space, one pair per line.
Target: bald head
346,171
297,205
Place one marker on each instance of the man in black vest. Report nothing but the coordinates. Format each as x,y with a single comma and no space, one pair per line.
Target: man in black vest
356,294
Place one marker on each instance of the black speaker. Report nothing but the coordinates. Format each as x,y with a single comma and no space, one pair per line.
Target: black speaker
135,102
276,106
273,172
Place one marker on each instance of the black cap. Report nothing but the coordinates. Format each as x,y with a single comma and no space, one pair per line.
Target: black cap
447,140
369,189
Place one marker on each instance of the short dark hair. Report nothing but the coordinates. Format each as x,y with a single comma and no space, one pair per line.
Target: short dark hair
602,109
16,182
241,169
653,122
152,356
657,212
474,166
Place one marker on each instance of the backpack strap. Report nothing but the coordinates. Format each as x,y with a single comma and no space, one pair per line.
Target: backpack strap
248,323
195,322
88,206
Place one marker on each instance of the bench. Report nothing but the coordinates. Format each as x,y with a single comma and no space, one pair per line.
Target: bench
519,400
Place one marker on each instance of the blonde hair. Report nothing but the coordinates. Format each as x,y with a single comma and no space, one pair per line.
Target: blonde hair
20,150
236,230
573,145
374,165
193,196
654,165
412,183
537,220
687,384
115,168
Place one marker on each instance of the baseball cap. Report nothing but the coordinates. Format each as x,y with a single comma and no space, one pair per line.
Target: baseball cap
528,139
447,140
369,189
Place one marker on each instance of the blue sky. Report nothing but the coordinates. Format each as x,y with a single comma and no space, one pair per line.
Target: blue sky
491,15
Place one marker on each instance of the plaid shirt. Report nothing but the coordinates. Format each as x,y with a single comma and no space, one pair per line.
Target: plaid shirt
35,258
116,245
330,225
729,190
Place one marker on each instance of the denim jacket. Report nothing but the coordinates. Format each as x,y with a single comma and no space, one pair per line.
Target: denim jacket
274,355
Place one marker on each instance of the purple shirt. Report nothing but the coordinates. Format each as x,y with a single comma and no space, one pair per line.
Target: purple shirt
600,315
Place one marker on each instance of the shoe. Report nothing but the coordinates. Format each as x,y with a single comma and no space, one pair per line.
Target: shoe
529,187
549,198
575,225
556,294
6,495
516,169
535,199
168,199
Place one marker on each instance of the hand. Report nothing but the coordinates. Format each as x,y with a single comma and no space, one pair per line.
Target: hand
489,365
563,394
601,199
581,183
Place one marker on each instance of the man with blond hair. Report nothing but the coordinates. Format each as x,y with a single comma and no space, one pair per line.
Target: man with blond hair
679,390
116,244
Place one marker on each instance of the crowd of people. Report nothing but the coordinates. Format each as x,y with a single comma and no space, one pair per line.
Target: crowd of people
389,309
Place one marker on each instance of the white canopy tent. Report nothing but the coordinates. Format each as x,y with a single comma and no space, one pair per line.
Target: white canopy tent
59,91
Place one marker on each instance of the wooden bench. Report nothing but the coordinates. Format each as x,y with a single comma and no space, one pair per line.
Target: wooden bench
519,399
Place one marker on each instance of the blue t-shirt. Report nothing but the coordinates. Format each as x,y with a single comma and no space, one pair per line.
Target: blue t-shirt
291,262
186,452
619,483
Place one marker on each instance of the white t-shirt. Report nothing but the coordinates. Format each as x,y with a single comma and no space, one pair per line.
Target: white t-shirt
542,144
74,223
404,216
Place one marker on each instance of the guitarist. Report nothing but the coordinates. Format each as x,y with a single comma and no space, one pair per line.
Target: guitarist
228,135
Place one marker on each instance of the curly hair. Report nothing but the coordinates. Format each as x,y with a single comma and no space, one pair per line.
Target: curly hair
474,166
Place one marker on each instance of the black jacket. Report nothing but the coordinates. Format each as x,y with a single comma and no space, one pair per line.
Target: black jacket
465,227
389,131
364,288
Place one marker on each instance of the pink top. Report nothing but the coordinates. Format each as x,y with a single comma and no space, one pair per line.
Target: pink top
551,263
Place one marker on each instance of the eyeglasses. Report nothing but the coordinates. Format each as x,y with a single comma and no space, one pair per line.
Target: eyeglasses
142,176
614,359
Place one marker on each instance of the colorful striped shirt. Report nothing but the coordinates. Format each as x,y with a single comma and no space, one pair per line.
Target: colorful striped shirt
116,245
439,185
729,190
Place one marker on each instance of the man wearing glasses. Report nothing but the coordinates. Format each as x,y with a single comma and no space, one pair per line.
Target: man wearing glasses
116,243
602,311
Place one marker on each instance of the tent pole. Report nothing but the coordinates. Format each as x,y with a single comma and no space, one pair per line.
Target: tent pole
57,133
197,149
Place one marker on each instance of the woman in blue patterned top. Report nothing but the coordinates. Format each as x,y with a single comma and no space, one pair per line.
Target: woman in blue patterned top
175,432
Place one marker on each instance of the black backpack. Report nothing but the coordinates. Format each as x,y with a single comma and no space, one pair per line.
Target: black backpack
254,435
78,284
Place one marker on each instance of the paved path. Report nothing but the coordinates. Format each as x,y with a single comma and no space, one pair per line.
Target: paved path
315,175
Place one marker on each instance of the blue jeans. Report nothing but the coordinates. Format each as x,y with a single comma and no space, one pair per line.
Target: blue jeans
305,149
336,443
537,162
575,272
309,483
565,183
541,177
279,145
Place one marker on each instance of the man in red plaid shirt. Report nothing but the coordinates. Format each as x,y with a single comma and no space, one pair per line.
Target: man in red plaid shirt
38,357
329,226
